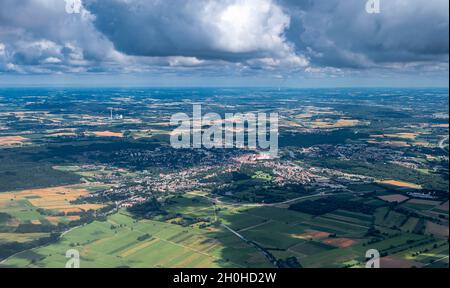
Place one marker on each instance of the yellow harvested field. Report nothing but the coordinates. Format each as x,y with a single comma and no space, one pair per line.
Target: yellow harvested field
421,143
410,136
330,124
11,140
312,235
346,123
108,134
394,198
440,126
53,219
139,247
36,222
58,219
396,143
401,184
21,237
72,210
405,136
56,198
340,242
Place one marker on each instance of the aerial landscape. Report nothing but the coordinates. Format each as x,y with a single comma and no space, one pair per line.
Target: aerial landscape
357,168
352,166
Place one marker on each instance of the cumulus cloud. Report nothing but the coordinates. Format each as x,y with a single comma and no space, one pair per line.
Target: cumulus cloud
330,37
341,33
230,30
38,35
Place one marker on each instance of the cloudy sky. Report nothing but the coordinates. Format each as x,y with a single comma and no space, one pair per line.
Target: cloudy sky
225,42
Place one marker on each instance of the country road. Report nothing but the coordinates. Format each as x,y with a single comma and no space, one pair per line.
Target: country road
218,201
272,259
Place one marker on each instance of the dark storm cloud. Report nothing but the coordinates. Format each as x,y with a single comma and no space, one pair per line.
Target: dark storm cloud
330,32
224,36
232,30
343,34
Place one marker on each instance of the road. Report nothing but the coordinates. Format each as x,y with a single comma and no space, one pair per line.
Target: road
68,231
439,260
297,199
15,254
218,201
272,259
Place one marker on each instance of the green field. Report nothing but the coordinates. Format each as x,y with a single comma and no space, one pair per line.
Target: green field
101,245
122,241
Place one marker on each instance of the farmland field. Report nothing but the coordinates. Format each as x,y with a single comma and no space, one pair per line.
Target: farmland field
356,172
280,134
119,247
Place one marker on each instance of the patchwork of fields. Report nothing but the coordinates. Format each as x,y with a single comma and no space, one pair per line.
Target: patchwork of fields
93,170
336,239
115,243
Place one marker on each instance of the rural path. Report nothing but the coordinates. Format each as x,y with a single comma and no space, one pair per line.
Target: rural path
255,226
42,246
186,247
272,259
343,222
68,231
438,260
218,201
15,254
296,199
